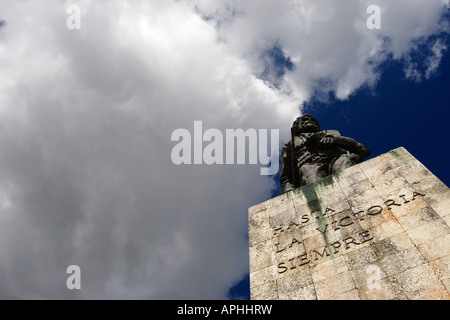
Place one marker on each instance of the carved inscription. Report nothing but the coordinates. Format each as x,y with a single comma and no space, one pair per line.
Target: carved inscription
326,222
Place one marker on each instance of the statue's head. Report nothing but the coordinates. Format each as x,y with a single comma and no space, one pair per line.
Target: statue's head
305,123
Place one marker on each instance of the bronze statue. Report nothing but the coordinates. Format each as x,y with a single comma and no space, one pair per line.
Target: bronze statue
312,154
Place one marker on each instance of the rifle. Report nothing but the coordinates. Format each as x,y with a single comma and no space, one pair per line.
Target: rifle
294,168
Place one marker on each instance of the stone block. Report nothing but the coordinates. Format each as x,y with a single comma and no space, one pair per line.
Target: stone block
377,230
379,290
334,286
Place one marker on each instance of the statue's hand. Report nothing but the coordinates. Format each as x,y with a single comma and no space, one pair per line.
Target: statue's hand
355,158
288,187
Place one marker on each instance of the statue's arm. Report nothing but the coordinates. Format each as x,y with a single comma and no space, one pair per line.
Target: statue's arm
286,174
353,146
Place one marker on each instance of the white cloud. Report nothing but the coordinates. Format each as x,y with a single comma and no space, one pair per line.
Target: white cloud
427,65
86,118
329,39
433,61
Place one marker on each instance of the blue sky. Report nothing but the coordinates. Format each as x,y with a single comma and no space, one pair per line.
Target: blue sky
397,112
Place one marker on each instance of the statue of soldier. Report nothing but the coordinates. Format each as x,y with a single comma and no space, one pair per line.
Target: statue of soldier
313,154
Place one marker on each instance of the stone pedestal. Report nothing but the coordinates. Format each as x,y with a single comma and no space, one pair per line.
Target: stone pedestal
377,230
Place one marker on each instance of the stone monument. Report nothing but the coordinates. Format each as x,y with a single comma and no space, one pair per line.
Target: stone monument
377,229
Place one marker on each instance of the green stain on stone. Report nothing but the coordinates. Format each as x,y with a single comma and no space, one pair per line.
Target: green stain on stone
396,154
400,154
314,203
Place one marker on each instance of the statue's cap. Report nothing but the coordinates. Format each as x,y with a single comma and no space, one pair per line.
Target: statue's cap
306,115
295,124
